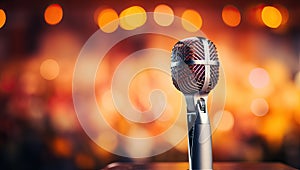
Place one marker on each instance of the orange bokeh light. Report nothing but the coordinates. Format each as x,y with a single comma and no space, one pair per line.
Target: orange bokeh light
271,17
259,107
53,14
62,147
2,18
107,20
163,15
231,16
227,121
49,69
191,20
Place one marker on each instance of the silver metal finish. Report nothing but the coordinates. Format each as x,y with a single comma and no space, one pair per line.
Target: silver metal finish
195,72
191,62
194,65
200,147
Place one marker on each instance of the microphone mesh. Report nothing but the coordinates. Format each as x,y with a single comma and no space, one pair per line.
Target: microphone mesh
189,77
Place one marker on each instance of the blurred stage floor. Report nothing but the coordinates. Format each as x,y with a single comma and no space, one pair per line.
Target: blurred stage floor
184,166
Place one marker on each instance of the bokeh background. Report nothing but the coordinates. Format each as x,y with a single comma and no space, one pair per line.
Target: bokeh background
259,49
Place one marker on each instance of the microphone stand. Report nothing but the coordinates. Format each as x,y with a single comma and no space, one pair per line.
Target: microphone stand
199,133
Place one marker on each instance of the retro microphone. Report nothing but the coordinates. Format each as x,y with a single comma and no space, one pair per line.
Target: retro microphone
195,72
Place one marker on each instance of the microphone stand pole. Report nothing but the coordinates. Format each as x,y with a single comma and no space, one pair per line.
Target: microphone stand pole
199,133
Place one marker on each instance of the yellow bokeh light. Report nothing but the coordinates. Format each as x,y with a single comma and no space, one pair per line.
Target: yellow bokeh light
2,18
53,14
107,20
191,20
133,17
49,69
259,78
231,16
163,15
271,16
259,107
227,121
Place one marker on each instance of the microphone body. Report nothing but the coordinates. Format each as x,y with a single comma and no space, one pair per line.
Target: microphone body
195,72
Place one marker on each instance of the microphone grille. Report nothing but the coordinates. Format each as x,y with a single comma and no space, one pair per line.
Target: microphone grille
194,65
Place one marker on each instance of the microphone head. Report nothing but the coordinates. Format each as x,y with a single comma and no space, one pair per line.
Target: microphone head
194,65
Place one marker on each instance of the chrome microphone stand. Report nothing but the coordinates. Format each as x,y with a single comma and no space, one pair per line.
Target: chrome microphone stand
199,133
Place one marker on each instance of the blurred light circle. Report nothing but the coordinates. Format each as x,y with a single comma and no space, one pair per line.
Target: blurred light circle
123,22
132,18
61,147
191,20
49,69
259,107
259,78
2,18
163,15
271,16
53,14
226,122
108,20
231,16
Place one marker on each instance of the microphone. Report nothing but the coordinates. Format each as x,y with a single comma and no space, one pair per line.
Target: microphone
195,72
